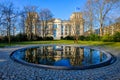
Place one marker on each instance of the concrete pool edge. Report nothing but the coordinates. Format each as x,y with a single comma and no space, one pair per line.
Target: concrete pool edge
110,58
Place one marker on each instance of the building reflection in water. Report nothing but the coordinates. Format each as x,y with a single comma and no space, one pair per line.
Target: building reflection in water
49,55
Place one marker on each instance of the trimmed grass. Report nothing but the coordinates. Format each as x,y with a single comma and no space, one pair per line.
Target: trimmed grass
89,43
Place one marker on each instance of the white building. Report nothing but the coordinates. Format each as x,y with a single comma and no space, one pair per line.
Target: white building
58,28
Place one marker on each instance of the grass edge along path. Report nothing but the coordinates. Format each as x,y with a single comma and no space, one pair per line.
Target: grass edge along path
88,43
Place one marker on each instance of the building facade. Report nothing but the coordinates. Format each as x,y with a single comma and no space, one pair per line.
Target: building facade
77,23
112,29
108,30
58,28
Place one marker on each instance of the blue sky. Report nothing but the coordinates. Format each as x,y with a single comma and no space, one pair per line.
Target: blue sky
60,8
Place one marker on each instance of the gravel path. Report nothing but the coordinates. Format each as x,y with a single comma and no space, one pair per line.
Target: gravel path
10,70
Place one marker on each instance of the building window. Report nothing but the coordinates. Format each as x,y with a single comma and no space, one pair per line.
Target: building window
65,32
54,33
61,33
61,30
55,26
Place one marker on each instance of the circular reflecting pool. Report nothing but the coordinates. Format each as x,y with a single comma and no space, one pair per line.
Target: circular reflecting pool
62,57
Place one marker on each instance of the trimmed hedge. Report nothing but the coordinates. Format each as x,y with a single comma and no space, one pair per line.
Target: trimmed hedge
48,38
92,37
23,37
69,38
95,37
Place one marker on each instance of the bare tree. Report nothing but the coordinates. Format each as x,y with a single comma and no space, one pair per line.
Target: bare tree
89,15
23,17
98,12
1,13
103,8
31,21
9,15
75,29
77,23
45,16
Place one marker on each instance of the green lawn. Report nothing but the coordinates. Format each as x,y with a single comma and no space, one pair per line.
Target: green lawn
90,43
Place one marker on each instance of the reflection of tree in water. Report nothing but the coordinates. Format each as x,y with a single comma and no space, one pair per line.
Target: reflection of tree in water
74,54
35,56
40,55
90,56
77,58
31,55
101,56
43,58
48,55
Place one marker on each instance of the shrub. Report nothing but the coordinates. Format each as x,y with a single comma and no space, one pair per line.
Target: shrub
116,37
35,37
107,38
39,38
14,39
82,38
1,39
48,38
69,38
5,39
21,37
61,37
87,38
92,37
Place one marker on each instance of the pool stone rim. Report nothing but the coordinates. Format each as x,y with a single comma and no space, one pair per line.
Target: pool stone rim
110,59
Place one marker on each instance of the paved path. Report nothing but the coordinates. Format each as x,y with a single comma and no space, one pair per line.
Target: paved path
10,70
